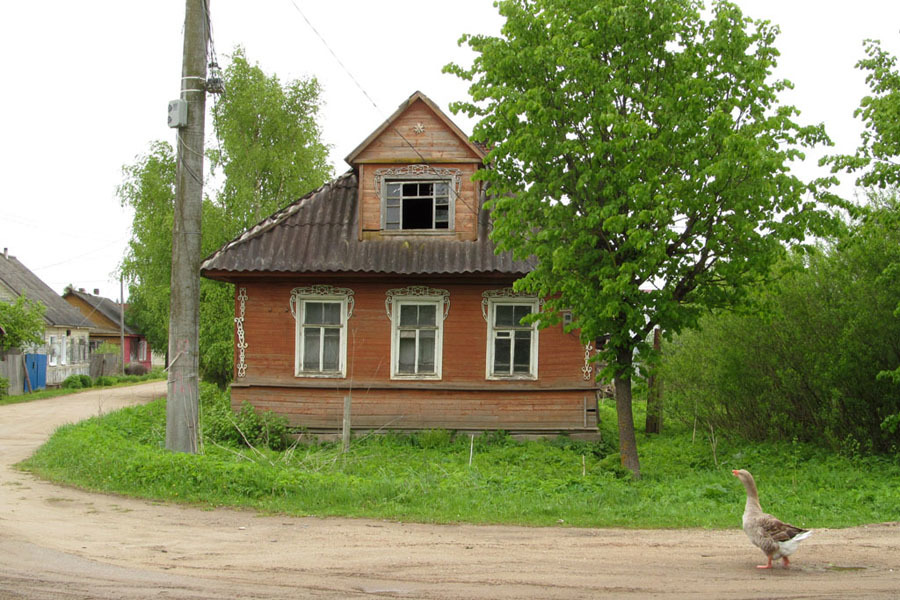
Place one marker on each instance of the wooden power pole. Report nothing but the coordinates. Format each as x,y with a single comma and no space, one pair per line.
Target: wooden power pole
184,308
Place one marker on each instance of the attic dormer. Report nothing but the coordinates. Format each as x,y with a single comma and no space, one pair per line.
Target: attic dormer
415,176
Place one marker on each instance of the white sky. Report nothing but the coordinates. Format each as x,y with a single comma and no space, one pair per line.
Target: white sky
86,86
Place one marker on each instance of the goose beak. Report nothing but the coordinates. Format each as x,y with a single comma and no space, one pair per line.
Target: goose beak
734,472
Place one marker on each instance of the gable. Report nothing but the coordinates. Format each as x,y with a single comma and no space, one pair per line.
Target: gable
418,132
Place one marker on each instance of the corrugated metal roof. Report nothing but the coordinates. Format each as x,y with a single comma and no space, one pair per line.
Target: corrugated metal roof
319,234
20,280
104,306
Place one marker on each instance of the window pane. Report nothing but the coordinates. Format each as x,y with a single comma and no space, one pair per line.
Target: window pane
410,189
409,315
393,189
407,352
520,312
311,337
392,217
501,355
330,349
503,315
314,312
332,313
522,352
427,314
426,189
426,351
442,188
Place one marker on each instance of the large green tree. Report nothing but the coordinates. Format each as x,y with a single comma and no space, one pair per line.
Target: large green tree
877,160
269,150
640,153
268,146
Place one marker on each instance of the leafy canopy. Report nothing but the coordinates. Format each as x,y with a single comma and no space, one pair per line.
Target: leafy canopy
640,153
23,322
269,149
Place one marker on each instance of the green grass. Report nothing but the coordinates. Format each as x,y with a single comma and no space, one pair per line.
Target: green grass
427,477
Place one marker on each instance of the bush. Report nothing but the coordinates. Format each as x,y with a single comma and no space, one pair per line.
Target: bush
86,380
248,427
4,387
808,363
105,381
72,382
135,369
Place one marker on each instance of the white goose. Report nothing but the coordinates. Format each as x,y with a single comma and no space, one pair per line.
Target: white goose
774,537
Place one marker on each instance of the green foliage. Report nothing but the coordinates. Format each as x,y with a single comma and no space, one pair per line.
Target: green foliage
875,159
809,366
269,143
4,387
642,157
74,382
550,483
105,381
23,322
248,428
270,152
108,348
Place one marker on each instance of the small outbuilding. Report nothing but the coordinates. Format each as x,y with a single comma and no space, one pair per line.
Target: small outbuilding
384,286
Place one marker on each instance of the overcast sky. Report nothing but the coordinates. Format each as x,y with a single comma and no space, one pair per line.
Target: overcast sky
87,83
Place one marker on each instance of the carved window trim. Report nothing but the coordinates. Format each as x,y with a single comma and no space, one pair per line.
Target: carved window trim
490,299
321,292
489,295
417,294
241,339
413,172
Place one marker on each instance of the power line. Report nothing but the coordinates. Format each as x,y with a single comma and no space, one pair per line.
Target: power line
424,160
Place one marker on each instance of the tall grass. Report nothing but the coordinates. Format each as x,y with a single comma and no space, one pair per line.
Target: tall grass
428,478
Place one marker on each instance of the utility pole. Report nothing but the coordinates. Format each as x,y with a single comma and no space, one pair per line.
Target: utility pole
184,307
122,321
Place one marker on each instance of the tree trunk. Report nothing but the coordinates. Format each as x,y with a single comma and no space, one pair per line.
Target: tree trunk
654,396
627,441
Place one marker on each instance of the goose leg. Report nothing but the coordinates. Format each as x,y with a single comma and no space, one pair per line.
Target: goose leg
787,563
768,565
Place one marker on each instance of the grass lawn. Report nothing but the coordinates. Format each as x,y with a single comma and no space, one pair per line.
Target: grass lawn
428,477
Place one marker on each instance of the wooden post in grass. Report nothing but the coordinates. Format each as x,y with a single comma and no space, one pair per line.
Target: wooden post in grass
345,430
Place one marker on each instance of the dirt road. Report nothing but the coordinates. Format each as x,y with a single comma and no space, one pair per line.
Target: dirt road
62,543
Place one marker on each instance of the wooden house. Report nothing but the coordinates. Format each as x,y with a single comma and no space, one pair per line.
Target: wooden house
65,332
104,315
383,286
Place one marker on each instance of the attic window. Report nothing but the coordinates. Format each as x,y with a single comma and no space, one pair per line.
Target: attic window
423,204
417,197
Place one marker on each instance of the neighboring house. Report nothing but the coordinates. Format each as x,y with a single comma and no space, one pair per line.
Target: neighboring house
105,317
384,286
65,335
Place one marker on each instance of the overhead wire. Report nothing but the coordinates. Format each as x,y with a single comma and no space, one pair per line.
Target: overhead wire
422,158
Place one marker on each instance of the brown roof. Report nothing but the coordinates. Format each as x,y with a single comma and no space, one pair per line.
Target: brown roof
103,306
319,234
21,281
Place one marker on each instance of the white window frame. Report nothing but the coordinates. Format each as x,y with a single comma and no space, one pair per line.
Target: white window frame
320,293
492,303
53,352
421,296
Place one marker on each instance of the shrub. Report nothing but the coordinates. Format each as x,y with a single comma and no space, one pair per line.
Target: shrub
72,382
4,387
248,427
86,380
104,381
135,369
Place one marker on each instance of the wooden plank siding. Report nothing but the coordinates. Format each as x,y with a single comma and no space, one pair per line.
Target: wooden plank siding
462,399
465,212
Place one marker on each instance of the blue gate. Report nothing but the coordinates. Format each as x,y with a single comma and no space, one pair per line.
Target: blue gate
35,371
